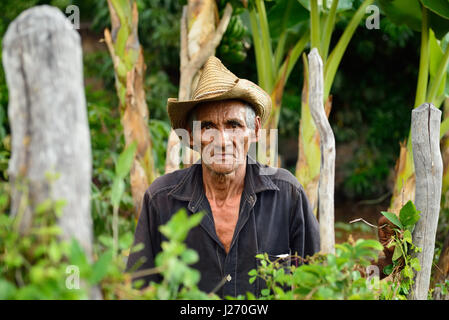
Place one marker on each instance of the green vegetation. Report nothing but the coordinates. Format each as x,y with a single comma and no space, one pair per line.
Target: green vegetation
373,85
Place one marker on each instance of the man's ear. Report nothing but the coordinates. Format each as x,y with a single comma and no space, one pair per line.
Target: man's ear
255,134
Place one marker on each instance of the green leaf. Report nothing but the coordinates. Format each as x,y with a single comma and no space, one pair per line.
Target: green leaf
393,218
285,15
440,7
436,54
118,188
43,206
414,263
125,160
253,272
408,215
402,12
54,252
77,256
407,272
7,289
100,268
265,292
189,256
369,243
388,269
407,236
59,206
397,253
409,13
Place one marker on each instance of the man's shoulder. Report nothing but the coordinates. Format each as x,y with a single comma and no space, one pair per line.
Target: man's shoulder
281,177
166,182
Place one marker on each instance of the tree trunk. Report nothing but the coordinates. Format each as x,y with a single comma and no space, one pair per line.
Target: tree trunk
200,36
42,59
129,66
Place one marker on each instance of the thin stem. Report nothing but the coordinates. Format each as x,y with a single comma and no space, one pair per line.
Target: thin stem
314,25
280,48
266,45
257,48
337,53
115,230
328,28
436,82
293,57
423,74
279,52
444,127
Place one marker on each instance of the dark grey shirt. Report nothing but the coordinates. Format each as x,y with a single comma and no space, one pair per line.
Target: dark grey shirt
275,218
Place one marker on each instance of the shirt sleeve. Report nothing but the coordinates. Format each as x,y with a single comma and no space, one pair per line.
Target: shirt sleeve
147,234
305,231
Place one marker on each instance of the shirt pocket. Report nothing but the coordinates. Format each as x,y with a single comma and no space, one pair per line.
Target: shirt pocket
282,260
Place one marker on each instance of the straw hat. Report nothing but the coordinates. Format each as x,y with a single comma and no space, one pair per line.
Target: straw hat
218,83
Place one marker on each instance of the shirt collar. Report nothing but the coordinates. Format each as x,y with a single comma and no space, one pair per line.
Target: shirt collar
190,188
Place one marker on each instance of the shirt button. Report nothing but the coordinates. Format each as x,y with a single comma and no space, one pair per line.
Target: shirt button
229,278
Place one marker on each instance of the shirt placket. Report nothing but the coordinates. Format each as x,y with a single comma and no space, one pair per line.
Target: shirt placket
232,258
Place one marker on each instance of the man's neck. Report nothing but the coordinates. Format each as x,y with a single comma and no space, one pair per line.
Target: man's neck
221,187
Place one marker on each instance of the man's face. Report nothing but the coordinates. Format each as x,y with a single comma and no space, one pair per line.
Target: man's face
225,136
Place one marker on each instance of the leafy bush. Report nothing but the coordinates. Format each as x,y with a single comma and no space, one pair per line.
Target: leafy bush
404,263
35,264
331,276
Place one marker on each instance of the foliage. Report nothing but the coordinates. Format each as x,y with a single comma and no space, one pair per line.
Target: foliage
359,117
444,287
179,280
331,276
35,265
404,262
365,103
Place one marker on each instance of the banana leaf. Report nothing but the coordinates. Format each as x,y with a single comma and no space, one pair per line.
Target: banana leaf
408,12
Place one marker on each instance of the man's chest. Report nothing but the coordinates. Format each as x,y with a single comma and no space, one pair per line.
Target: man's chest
225,219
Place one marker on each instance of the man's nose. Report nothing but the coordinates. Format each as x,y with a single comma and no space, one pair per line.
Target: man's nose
224,140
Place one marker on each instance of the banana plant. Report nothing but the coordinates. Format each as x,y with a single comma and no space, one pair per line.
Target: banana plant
431,18
323,17
129,66
277,46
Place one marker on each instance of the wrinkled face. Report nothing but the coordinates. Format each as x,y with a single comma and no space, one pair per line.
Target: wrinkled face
225,136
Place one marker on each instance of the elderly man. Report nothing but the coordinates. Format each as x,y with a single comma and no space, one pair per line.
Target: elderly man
247,211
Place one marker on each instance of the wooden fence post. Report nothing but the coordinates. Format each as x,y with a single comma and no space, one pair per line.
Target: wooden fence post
429,171
42,59
327,143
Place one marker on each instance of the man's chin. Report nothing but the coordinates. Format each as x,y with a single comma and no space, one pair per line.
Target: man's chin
223,166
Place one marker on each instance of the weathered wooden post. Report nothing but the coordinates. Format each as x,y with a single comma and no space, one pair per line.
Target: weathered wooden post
429,171
327,143
42,59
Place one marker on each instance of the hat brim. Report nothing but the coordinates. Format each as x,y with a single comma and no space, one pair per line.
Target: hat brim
243,90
